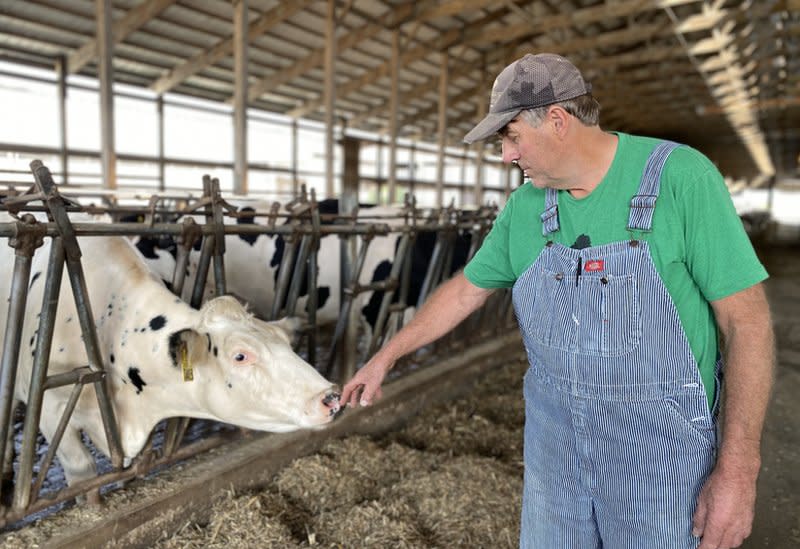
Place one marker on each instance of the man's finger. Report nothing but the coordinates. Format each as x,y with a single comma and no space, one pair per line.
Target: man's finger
699,520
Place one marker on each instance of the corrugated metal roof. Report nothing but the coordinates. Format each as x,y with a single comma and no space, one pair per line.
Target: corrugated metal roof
719,74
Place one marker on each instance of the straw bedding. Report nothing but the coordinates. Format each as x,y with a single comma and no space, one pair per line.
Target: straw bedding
452,477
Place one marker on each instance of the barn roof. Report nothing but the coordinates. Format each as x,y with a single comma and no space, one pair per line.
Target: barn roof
722,75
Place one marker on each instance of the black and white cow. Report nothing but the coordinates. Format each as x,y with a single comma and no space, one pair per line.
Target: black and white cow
244,371
252,262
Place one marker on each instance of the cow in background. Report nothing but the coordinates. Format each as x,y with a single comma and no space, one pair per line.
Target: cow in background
243,371
252,262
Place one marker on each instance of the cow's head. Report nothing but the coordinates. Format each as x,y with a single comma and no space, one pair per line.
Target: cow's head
245,372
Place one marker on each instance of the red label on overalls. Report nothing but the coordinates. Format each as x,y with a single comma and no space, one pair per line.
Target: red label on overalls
594,265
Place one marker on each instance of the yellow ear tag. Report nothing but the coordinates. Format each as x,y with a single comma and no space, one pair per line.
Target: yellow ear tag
186,368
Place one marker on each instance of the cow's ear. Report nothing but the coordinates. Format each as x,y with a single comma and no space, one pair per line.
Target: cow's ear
188,348
287,328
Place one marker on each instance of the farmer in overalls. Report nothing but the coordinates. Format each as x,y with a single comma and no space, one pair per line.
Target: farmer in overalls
636,290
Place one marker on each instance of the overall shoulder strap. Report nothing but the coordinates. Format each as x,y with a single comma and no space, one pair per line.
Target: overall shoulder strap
644,202
549,216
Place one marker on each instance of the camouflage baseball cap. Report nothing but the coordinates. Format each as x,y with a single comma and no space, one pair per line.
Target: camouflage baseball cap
530,82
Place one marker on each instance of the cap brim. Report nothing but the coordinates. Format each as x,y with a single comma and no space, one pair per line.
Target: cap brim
491,124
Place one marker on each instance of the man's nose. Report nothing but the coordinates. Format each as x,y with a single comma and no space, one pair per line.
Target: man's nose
510,154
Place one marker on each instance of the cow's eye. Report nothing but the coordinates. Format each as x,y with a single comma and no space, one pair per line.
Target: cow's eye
240,357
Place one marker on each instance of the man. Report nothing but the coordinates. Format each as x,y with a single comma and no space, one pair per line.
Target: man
627,261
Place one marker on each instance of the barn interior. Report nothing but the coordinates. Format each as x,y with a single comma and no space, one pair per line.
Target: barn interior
389,88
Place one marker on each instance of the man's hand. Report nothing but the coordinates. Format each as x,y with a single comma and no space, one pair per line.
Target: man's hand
725,509
365,386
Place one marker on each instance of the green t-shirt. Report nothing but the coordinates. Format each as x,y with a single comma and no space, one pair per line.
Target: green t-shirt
698,243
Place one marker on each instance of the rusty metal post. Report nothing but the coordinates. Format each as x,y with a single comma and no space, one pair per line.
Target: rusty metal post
25,243
219,238
207,249
41,360
55,204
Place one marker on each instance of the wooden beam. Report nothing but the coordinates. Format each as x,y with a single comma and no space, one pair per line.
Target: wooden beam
240,8
477,34
61,70
443,83
330,94
105,51
224,48
393,106
120,30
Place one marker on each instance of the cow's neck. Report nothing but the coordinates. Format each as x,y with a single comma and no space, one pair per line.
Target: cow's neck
148,385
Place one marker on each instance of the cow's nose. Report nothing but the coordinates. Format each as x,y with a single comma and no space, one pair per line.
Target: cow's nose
331,401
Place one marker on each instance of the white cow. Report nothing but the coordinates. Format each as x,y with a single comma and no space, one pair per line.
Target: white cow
244,370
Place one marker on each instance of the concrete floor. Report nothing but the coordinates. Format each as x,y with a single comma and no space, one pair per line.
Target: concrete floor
777,523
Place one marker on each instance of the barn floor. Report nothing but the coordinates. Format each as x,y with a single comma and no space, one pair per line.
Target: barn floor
452,476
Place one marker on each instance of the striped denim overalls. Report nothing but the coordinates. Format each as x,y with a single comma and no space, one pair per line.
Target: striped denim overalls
619,437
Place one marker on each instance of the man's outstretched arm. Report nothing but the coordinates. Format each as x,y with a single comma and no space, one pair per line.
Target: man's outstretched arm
451,303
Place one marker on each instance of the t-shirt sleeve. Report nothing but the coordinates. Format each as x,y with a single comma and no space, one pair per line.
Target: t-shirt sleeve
719,254
491,265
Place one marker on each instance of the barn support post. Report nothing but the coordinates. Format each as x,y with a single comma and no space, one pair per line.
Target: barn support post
348,206
330,95
61,69
55,205
240,31
25,243
479,174
394,99
41,360
162,184
440,159
479,145
295,179
105,49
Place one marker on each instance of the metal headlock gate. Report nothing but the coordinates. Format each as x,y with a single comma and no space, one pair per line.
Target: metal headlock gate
302,226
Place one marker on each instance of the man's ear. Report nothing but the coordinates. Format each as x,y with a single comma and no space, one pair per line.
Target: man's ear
559,118
197,347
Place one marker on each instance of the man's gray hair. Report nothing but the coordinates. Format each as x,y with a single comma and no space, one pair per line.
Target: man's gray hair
585,108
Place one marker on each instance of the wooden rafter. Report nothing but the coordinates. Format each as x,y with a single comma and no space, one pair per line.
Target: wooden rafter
224,48
120,29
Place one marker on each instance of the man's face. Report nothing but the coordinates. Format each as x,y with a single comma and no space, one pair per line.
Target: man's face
530,148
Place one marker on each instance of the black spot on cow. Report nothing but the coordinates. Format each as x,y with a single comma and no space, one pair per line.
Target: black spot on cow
323,293
157,322
216,351
61,349
110,306
230,386
34,278
111,358
421,254
69,319
147,247
326,207
371,309
33,340
176,339
247,218
136,379
208,337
